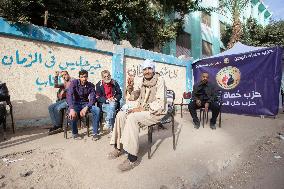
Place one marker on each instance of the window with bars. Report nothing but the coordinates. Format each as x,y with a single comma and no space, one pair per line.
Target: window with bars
183,44
222,29
206,19
206,49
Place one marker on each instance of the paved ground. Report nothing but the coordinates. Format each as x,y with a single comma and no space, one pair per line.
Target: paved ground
244,153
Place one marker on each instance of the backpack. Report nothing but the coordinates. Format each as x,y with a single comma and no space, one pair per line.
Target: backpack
4,92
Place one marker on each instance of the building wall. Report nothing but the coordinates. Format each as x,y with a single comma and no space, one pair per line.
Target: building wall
199,31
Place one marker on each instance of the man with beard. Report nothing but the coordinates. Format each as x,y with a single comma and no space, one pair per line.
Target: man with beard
108,96
204,96
152,106
55,109
81,97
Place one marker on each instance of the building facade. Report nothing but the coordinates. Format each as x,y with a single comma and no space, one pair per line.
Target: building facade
201,36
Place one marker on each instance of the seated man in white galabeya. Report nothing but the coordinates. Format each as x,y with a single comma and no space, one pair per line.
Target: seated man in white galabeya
152,106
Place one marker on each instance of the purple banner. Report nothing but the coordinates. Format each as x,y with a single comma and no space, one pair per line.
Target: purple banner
250,81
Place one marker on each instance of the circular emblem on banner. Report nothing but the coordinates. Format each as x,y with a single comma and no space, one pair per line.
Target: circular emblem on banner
226,60
228,77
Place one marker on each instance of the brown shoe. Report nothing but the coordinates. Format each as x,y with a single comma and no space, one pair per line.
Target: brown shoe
114,154
127,165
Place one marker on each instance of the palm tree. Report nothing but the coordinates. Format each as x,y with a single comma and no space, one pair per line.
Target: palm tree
235,7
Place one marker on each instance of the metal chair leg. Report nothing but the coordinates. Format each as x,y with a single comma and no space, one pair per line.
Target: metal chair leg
149,141
65,127
200,111
4,127
173,131
203,118
206,117
12,117
220,118
88,124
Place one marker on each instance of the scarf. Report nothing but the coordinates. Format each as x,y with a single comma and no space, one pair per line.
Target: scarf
148,92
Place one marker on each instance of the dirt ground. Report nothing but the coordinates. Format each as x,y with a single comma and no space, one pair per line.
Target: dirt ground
246,152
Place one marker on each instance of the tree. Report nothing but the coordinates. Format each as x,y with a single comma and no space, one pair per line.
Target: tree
235,7
252,33
256,35
143,22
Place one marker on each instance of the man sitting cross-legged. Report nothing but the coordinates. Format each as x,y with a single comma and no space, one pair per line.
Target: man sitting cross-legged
152,106
81,97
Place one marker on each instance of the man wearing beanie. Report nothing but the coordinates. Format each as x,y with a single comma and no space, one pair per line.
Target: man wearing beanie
152,106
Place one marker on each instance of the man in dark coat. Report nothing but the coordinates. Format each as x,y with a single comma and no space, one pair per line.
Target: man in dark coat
204,96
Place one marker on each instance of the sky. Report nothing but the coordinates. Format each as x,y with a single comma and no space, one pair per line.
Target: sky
276,7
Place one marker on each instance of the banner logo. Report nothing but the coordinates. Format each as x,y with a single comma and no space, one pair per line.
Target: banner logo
226,60
228,77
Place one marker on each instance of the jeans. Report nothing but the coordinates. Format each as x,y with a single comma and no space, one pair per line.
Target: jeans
96,117
109,109
55,112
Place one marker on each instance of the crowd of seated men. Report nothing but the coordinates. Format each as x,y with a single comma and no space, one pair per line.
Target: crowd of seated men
80,97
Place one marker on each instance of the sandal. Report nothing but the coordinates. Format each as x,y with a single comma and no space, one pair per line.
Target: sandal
114,154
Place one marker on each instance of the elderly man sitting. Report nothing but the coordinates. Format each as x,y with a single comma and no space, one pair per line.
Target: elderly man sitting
152,106
108,96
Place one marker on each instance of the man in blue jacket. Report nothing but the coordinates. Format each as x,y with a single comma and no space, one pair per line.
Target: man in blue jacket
108,96
81,97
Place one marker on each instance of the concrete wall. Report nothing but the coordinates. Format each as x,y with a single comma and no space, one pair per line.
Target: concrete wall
28,68
175,76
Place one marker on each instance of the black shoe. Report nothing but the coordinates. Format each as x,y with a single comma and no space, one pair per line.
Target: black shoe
96,137
196,125
54,130
212,126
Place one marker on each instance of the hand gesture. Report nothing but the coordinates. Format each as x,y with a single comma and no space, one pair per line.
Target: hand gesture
198,102
206,107
130,80
56,73
72,114
83,112
140,109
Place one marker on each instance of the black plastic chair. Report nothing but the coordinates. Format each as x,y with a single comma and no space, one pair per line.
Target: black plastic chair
168,118
64,113
8,103
186,96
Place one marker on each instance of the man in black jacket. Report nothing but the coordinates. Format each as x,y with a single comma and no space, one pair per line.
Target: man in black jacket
203,96
108,95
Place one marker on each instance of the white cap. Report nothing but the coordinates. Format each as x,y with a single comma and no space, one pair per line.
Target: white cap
148,63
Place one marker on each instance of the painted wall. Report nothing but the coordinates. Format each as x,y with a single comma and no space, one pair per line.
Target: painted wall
175,76
29,56
28,67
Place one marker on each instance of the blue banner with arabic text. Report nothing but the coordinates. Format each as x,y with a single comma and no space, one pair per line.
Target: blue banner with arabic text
250,81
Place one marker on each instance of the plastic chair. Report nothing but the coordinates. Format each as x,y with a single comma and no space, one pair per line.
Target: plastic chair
168,118
186,95
205,114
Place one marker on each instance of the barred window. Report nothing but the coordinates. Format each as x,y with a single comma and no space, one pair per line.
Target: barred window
206,19
206,49
183,44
